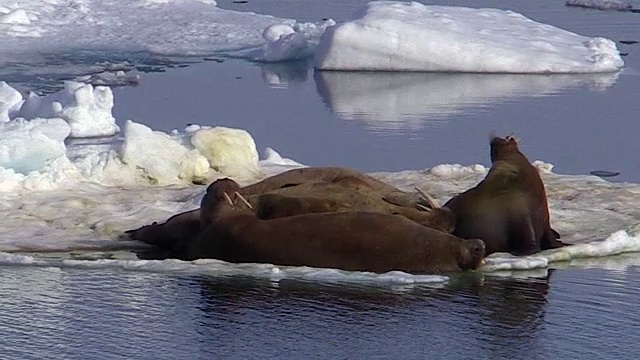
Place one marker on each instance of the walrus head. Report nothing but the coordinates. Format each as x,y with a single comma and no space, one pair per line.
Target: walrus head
222,194
500,148
472,254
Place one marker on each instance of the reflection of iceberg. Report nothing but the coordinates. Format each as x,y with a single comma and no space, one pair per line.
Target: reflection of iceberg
283,74
401,100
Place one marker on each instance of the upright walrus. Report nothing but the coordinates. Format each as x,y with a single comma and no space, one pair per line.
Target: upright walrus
508,210
355,241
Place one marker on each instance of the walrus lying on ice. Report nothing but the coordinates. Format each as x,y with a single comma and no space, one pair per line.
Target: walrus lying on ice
308,190
354,240
348,192
508,209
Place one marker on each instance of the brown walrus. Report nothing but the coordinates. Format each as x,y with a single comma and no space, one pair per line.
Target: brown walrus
290,197
340,175
337,195
508,209
169,237
354,241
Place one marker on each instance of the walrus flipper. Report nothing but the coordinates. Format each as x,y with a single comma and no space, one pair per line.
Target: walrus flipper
550,240
404,199
177,230
522,238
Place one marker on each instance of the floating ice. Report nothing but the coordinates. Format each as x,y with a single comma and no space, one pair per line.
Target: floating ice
85,108
33,154
403,36
33,147
70,37
617,243
110,78
27,146
211,267
10,101
162,159
602,4
274,163
15,259
15,17
285,42
230,151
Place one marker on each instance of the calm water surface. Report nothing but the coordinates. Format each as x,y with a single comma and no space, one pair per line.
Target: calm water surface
70,313
371,122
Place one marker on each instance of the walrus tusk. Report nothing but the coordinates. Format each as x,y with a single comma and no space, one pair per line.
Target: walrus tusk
422,207
432,202
244,200
226,196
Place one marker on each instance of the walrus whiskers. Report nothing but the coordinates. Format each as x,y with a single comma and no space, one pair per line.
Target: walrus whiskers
432,202
228,198
244,200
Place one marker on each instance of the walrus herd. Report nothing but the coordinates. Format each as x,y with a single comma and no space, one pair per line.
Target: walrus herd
331,217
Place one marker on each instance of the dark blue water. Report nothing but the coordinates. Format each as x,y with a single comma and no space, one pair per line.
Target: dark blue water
110,314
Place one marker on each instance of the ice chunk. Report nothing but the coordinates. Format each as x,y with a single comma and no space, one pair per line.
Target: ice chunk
602,4
162,159
27,146
409,36
85,108
230,151
10,101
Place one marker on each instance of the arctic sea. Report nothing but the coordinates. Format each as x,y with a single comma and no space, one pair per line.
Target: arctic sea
106,304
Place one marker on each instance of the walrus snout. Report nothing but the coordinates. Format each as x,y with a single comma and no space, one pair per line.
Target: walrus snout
500,146
473,254
224,191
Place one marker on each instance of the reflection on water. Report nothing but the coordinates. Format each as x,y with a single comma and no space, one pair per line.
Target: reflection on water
413,100
108,314
281,75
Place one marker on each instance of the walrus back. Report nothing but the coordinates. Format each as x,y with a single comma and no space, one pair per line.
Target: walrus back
317,174
355,241
316,197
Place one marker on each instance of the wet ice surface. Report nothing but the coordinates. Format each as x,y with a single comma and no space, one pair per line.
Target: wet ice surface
602,218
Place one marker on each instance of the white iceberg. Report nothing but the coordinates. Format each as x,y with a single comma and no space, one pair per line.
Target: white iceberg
409,36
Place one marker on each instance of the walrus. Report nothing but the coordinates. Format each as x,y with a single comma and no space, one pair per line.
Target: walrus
508,210
353,241
290,198
341,194
336,175
169,237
